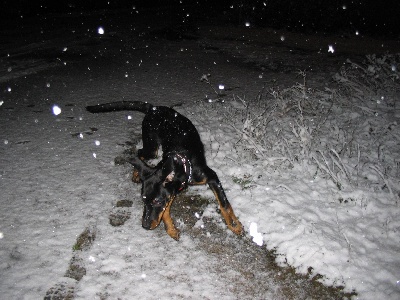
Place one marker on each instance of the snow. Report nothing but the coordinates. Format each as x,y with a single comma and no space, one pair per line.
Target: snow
58,177
257,236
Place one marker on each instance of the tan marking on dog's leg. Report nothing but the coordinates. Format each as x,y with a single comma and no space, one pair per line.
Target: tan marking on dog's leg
135,176
155,223
168,222
204,181
230,218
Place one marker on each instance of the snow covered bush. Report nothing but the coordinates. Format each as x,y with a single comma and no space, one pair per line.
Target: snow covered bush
336,133
371,91
287,126
375,81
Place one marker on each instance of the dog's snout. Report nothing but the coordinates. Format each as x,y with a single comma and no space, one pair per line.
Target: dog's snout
146,225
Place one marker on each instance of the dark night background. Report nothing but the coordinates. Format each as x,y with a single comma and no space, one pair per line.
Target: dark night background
375,18
300,117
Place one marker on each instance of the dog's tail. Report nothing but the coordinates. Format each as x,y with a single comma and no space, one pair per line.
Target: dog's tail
143,107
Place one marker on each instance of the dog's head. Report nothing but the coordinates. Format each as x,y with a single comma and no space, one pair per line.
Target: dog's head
159,186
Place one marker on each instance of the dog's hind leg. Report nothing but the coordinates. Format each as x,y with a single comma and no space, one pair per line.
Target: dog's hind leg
135,176
150,147
227,213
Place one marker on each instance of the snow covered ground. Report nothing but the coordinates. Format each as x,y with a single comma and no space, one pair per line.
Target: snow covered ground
58,177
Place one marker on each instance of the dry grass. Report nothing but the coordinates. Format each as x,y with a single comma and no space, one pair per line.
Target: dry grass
337,130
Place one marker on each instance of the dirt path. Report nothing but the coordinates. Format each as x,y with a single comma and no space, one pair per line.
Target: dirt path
258,272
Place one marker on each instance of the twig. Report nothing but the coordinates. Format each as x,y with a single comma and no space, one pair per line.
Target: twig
340,164
285,187
383,178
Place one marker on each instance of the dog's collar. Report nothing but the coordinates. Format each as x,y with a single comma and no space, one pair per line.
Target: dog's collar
187,167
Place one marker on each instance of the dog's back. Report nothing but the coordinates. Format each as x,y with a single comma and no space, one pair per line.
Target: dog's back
161,125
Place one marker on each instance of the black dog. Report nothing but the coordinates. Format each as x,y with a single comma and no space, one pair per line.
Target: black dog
183,163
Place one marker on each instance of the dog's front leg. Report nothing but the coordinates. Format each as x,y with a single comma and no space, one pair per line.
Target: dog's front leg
168,222
227,213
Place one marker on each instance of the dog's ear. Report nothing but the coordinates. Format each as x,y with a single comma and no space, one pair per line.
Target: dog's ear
144,170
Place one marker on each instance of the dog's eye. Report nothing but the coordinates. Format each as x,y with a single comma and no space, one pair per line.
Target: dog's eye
158,202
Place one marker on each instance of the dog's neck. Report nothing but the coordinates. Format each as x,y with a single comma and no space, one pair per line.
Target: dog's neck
187,167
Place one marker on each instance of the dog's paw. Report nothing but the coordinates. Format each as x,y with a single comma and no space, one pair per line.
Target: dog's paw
174,233
237,228
231,220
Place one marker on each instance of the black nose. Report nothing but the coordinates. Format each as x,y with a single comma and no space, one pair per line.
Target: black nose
146,226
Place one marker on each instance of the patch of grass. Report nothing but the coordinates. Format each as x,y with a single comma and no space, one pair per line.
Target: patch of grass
76,268
124,203
119,217
245,182
60,291
85,239
120,213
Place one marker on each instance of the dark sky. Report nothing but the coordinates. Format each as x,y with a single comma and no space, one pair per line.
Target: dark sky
379,18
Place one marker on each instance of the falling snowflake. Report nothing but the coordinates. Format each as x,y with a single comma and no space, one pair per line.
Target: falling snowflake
56,110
